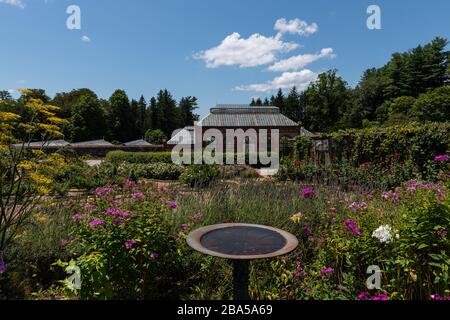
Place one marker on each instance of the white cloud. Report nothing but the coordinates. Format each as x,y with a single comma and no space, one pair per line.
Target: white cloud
251,52
295,26
85,39
299,62
300,79
15,3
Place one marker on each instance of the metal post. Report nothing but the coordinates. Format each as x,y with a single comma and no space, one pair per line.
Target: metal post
240,279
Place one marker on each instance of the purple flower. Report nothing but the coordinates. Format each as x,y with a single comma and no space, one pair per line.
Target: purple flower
198,216
103,191
438,297
351,225
184,226
364,295
115,212
362,205
173,204
441,158
137,195
326,270
63,242
333,209
96,222
154,255
129,183
3,265
77,217
385,195
117,221
441,233
129,244
309,193
380,297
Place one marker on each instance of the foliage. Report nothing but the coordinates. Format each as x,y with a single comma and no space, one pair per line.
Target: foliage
126,244
155,136
24,174
200,175
138,157
157,170
432,106
302,147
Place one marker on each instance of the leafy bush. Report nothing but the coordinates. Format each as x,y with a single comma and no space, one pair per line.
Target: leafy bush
200,175
302,147
118,157
414,142
128,252
162,171
155,136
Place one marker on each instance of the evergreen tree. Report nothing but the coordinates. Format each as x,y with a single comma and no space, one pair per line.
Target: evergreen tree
186,107
141,119
121,122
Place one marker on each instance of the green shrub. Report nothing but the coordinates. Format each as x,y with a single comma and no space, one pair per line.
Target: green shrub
118,157
200,175
155,136
128,252
161,171
302,147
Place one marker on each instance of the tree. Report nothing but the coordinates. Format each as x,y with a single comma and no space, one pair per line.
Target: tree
278,100
25,177
325,101
292,105
186,107
88,119
5,95
142,111
155,136
121,124
399,109
432,106
167,112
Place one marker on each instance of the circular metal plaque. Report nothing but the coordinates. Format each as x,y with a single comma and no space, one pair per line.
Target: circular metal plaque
242,241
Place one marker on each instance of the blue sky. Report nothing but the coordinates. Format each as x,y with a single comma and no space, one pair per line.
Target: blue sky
219,51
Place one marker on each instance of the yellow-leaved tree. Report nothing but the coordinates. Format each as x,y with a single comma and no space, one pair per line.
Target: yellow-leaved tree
25,173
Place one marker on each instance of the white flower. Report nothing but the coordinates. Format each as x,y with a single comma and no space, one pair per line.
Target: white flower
383,233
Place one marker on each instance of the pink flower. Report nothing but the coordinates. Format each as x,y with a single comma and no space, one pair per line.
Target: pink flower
154,255
129,183
184,226
309,193
351,225
364,295
96,222
103,191
380,297
173,204
333,209
435,297
441,233
441,158
129,244
63,242
117,221
326,270
77,217
137,196
198,216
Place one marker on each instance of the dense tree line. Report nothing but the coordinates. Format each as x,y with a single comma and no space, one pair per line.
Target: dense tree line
116,119
412,86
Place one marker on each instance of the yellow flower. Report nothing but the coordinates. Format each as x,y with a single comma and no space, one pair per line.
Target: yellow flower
296,217
39,217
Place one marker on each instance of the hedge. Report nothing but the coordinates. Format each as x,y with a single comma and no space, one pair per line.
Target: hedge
416,142
118,157
138,157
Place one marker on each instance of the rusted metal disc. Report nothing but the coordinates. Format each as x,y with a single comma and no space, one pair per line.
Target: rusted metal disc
242,241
